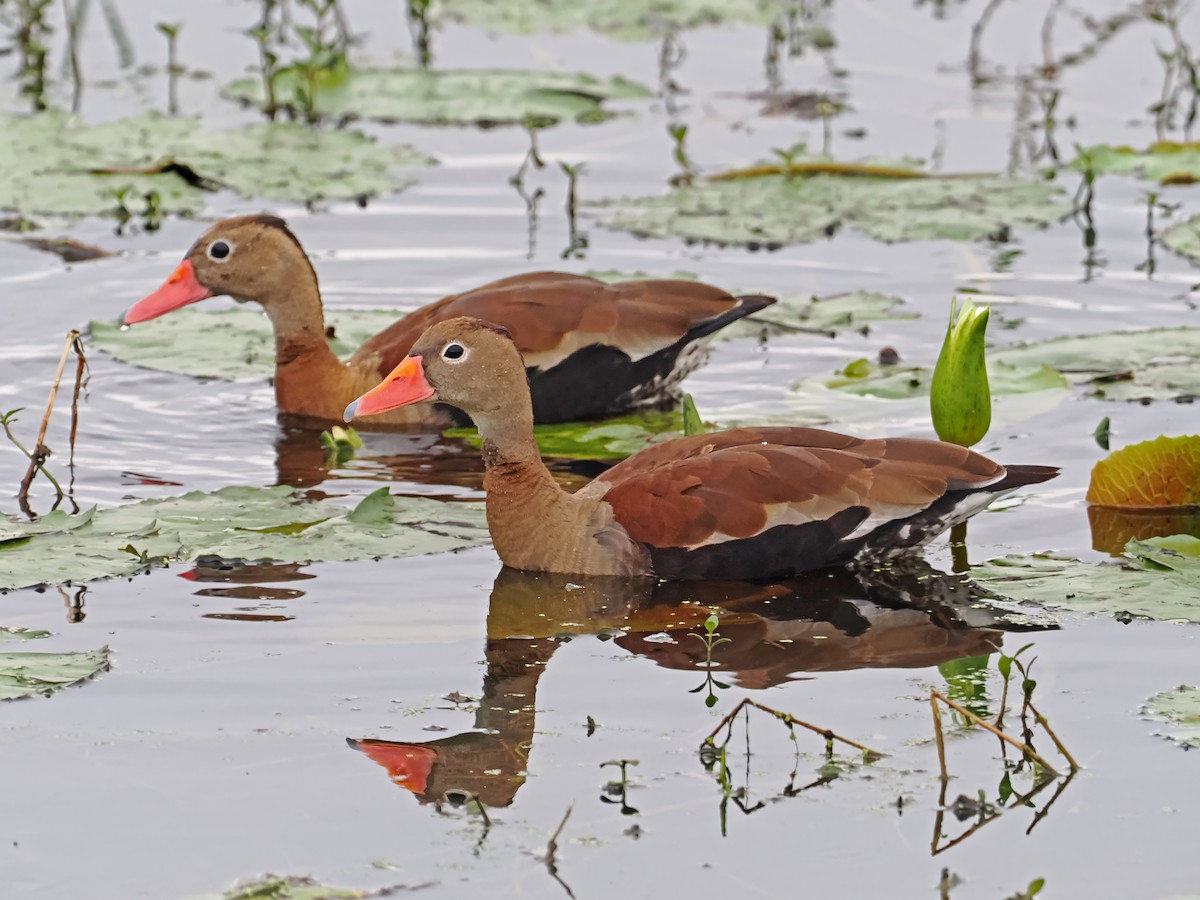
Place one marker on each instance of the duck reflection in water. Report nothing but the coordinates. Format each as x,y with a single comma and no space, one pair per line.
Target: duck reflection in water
907,615
302,462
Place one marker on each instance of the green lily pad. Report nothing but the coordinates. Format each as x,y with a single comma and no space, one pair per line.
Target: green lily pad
50,165
1184,238
28,674
772,209
611,439
231,344
239,345
1166,162
13,633
866,379
455,97
1155,364
1180,709
1158,578
619,19
291,887
832,315
237,522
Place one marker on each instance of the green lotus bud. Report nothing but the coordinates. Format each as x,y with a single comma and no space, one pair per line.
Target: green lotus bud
959,399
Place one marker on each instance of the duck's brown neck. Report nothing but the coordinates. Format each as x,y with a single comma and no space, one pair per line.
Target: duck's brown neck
528,513
307,373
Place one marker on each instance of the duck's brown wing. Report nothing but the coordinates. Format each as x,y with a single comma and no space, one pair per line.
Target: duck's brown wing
592,348
756,503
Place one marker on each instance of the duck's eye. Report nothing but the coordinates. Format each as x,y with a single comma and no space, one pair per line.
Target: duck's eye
454,352
219,250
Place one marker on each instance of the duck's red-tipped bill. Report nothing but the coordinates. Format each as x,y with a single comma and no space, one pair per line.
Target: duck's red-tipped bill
405,385
179,290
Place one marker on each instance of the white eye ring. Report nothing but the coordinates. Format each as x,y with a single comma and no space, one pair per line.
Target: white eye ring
214,250
461,352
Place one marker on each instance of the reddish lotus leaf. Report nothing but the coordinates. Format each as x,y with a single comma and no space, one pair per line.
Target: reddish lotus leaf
1164,472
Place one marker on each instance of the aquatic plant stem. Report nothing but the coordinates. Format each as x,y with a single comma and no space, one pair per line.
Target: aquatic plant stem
37,459
1041,720
552,850
941,743
790,720
1024,748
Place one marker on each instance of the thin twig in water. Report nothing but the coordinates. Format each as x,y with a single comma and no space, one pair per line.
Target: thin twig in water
788,719
1020,800
1024,748
40,453
974,56
1041,720
552,849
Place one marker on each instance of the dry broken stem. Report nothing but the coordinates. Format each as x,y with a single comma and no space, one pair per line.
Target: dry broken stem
789,719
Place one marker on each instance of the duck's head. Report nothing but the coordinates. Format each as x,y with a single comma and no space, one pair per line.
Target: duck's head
467,363
247,258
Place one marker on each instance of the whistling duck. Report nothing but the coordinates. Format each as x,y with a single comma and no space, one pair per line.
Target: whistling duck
747,503
592,349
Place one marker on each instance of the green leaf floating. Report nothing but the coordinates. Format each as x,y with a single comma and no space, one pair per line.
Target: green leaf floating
50,165
239,345
29,674
455,97
773,209
1156,364
234,522
1158,578
1179,709
292,887
1184,238
1166,162
610,439
21,634
232,344
619,19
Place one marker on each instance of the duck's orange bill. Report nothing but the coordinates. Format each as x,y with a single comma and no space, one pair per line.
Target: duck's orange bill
406,384
179,290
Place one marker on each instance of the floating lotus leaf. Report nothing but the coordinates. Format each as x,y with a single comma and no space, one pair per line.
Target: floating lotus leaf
620,19
235,522
833,314
773,209
29,674
1166,162
484,97
1180,710
1164,472
21,634
1158,578
1154,364
1184,238
611,439
50,165
230,344
292,887
239,344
